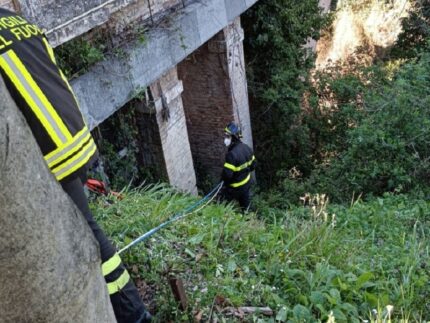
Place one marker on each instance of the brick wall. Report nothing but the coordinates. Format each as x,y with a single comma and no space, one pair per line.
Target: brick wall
215,94
207,106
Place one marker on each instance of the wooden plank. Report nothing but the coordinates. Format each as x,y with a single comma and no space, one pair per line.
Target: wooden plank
179,292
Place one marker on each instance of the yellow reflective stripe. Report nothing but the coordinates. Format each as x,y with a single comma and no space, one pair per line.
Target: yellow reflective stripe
230,166
29,96
40,96
54,154
76,162
246,180
69,148
49,50
68,85
118,284
52,56
241,167
110,265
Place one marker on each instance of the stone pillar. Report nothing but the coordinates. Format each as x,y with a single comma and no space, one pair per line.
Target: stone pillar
163,133
215,93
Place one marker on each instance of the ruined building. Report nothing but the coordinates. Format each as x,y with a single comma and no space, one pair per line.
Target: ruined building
183,57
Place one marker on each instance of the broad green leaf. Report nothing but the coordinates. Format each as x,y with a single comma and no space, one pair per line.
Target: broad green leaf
317,298
338,314
281,316
372,299
190,253
364,278
301,313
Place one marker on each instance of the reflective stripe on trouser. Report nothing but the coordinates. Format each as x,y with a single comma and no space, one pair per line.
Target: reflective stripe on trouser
125,299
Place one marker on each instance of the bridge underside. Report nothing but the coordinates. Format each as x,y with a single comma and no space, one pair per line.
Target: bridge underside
190,64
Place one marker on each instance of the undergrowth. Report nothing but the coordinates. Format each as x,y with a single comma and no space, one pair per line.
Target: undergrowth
310,264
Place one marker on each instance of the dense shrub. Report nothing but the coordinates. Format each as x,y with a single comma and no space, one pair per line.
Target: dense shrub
384,148
278,64
416,31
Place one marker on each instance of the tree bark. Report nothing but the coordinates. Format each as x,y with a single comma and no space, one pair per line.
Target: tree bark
49,259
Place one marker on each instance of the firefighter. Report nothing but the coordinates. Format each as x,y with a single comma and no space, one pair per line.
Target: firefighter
45,98
239,163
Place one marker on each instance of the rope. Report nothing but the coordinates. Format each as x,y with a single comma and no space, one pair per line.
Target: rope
179,216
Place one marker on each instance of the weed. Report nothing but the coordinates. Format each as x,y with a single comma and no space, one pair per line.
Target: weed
304,269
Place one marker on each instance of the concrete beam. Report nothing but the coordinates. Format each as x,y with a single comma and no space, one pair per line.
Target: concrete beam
110,84
63,20
9,4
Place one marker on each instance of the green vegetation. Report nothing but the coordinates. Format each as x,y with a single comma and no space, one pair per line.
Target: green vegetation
355,134
416,31
375,146
354,130
278,81
304,264
118,140
119,151
77,55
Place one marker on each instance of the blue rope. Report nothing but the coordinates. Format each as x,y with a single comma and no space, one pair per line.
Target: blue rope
175,217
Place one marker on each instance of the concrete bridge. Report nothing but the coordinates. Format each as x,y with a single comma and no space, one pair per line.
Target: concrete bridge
190,69
191,65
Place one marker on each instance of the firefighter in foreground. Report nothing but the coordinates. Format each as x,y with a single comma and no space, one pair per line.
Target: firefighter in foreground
239,163
45,98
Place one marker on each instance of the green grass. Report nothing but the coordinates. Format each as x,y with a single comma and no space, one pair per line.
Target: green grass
304,264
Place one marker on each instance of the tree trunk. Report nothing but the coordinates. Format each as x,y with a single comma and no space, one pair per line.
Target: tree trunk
49,259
